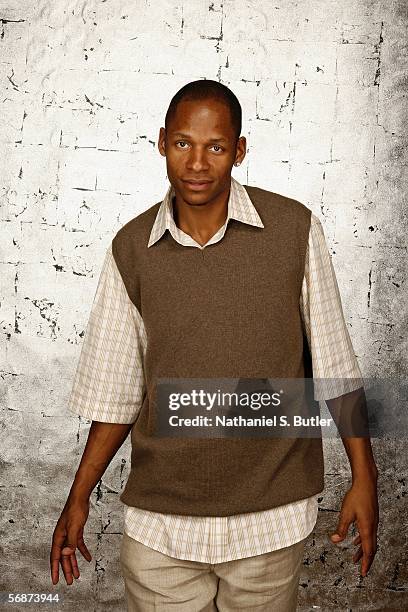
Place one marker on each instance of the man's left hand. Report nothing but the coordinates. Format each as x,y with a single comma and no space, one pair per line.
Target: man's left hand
360,505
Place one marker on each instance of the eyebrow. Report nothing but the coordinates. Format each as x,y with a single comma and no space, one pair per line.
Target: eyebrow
210,139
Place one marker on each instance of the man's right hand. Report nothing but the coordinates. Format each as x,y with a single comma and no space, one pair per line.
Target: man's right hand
67,536
104,440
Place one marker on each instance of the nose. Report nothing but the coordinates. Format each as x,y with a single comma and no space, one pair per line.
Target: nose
197,160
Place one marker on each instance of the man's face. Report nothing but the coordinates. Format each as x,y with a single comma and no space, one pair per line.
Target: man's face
200,146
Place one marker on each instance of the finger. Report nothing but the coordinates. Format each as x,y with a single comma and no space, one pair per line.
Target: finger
368,558
369,549
69,562
342,528
55,554
54,570
66,555
67,568
74,565
84,550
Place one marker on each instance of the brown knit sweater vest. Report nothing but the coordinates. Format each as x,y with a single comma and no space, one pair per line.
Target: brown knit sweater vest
228,310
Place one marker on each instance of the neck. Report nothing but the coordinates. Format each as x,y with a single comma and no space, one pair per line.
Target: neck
201,221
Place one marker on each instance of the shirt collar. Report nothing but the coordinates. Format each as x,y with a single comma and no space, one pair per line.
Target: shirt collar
240,207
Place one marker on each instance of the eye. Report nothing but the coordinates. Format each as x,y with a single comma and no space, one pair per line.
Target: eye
181,142
218,147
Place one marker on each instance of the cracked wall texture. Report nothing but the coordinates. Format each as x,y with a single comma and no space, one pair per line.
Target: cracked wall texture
84,88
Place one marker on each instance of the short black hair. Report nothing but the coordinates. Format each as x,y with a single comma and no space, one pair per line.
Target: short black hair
205,89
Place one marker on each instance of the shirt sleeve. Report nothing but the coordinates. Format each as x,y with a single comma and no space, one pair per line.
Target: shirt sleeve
335,367
109,381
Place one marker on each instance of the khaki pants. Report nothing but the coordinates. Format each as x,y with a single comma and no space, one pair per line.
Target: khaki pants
264,583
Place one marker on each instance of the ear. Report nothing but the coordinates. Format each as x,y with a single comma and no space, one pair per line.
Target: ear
241,151
161,144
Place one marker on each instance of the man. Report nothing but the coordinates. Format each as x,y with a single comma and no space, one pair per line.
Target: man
213,523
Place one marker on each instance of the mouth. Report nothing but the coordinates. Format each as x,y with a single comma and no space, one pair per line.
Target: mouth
197,185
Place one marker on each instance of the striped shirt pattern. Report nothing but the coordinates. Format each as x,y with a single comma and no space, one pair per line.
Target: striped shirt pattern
109,386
